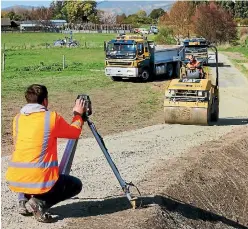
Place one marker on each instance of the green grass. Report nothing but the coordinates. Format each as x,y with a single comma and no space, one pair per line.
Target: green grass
237,62
240,49
118,106
32,40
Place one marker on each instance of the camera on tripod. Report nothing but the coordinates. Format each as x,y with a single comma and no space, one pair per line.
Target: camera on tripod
88,107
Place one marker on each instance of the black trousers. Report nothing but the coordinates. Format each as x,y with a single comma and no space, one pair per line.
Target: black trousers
66,187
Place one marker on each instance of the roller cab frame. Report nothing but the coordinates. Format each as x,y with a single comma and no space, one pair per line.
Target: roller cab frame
193,98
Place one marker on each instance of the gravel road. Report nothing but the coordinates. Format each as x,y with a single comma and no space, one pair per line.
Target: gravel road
136,153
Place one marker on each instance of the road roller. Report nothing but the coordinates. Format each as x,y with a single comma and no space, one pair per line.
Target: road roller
193,98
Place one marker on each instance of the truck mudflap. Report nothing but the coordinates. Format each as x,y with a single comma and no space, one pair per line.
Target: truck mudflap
121,72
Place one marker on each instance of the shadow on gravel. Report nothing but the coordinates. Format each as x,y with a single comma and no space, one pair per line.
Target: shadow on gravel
117,204
220,65
232,121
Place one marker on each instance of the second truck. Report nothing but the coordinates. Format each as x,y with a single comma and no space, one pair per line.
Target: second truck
133,56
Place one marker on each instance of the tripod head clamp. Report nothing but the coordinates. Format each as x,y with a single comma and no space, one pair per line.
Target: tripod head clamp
88,106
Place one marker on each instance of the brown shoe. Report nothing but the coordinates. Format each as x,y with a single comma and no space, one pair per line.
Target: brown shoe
22,210
39,211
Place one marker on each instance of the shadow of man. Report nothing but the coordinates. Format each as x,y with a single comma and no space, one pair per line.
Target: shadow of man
170,205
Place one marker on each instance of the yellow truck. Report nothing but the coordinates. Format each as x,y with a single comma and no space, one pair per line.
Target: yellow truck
194,97
133,56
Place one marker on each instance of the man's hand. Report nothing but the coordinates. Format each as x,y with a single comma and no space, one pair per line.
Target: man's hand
79,107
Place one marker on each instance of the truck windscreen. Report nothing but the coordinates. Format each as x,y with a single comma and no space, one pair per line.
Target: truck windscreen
121,51
191,50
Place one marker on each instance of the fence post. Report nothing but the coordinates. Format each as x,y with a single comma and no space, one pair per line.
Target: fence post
3,62
63,62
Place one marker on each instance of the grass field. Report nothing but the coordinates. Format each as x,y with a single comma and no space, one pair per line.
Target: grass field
118,106
238,56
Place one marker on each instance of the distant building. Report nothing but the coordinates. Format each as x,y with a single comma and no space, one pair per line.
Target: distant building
58,23
5,24
41,25
30,26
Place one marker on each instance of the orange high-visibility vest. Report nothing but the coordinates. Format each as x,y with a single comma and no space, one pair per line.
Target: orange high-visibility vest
193,65
33,168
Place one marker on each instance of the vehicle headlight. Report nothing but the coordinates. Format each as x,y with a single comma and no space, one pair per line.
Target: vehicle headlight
172,92
202,93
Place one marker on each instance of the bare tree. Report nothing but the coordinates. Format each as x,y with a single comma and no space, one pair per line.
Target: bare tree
43,15
180,18
107,17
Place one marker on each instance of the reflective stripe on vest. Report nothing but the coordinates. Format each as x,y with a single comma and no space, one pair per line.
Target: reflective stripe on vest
16,128
33,165
40,163
77,123
33,185
46,135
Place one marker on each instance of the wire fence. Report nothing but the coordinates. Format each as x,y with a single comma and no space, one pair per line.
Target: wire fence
60,63
84,44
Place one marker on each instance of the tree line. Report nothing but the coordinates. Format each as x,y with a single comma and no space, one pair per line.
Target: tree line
213,20
81,12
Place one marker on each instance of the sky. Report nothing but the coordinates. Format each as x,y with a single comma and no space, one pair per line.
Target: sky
8,3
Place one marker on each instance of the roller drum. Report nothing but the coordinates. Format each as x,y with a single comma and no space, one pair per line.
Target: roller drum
186,115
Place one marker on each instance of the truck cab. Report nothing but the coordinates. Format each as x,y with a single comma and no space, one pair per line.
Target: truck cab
154,29
124,54
198,48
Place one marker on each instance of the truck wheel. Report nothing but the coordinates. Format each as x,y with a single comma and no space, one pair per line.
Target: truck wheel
169,71
114,78
145,75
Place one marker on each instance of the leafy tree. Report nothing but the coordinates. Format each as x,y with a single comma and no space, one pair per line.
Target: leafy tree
241,9
141,14
214,23
121,18
238,9
80,11
165,36
156,13
11,15
57,9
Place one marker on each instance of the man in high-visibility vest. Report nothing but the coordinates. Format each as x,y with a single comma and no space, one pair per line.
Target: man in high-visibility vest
33,170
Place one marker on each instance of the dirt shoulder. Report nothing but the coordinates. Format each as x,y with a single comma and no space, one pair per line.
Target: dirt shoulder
209,190
115,109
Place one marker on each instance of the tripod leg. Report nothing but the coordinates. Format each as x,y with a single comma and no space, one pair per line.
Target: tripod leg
68,156
100,142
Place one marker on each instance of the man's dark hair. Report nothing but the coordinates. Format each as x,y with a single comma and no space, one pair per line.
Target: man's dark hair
36,93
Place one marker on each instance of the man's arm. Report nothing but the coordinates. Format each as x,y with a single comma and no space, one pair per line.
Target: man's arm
65,130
